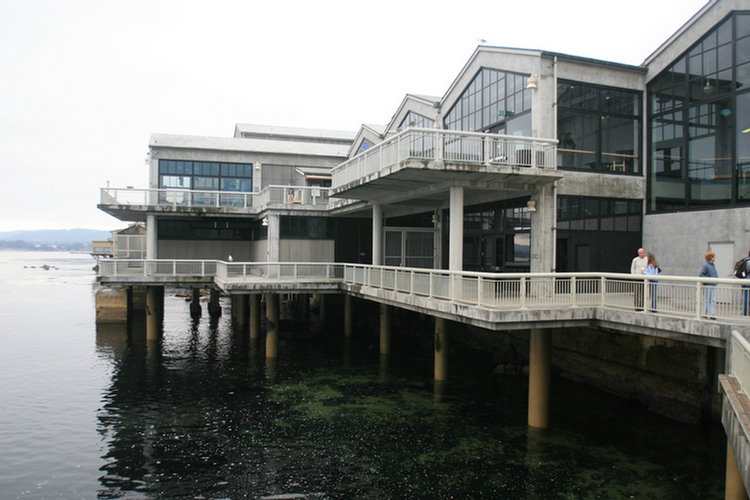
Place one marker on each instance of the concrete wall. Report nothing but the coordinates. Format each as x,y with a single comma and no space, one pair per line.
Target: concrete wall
672,378
241,251
247,251
111,305
601,185
306,251
680,240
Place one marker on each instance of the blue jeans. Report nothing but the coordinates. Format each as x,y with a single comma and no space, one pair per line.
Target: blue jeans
709,300
652,293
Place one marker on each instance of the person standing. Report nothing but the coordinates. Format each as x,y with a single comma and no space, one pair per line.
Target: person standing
637,267
652,269
708,270
742,271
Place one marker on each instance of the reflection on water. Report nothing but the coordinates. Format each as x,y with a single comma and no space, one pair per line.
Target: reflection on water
204,414
201,414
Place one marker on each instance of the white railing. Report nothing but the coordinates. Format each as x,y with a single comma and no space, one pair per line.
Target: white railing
700,298
451,147
287,271
175,198
739,365
126,268
270,196
278,196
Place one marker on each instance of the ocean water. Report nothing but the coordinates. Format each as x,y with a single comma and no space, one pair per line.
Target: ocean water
98,412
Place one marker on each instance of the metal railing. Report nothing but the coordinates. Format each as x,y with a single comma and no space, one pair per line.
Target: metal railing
270,196
699,298
448,146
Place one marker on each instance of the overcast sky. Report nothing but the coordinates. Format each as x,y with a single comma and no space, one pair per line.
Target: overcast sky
85,83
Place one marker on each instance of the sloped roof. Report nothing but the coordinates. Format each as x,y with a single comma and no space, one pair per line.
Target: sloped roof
297,133
249,145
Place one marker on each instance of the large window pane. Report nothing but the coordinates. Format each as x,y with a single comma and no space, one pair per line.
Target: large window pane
490,99
667,186
743,146
577,133
709,152
619,143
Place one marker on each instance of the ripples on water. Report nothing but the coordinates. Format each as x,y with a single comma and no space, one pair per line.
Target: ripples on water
98,413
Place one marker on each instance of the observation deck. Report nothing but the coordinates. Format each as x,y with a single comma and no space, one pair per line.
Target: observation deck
133,204
424,163
671,307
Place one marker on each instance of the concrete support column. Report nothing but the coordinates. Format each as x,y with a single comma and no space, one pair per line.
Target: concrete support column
255,316
441,349
385,329
456,230
322,310
733,487
540,349
154,311
195,304
274,238
348,315
542,235
377,235
214,308
272,319
239,310
151,238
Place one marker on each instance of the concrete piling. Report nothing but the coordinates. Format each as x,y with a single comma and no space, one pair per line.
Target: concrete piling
441,349
272,319
154,312
255,316
539,378
214,308
385,329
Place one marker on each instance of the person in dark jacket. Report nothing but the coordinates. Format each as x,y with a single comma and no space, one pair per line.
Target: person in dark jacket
708,270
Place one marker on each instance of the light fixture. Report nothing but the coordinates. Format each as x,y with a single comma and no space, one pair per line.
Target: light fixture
532,82
257,165
708,88
435,217
264,222
531,206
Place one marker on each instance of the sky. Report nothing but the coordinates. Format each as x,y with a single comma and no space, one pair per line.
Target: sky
84,83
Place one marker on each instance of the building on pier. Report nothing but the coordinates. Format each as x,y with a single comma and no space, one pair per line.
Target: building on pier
532,160
550,161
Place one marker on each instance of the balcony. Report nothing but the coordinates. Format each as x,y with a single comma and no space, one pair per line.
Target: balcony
430,156
132,204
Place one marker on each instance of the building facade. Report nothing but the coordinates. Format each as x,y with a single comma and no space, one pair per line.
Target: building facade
531,161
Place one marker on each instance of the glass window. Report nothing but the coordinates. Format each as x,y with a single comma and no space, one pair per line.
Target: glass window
578,136
619,143
492,98
743,25
697,150
415,120
599,127
174,181
743,146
